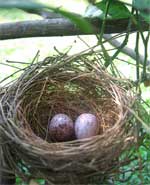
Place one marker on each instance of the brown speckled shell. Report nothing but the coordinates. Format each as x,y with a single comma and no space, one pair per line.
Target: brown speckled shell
61,128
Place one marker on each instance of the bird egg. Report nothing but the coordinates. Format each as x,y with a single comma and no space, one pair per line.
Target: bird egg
86,125
61,128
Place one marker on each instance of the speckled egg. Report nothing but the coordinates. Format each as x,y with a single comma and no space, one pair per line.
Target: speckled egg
86,125
61,128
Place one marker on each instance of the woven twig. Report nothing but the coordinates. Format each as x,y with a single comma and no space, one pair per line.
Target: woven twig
71,85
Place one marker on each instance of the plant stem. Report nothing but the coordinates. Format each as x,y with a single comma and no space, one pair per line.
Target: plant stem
137,57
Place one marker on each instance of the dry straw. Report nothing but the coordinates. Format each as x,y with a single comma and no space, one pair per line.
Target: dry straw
72,85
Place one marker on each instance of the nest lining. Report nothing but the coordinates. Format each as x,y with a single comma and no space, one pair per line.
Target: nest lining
72,86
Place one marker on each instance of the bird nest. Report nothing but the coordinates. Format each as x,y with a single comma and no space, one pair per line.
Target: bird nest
71,85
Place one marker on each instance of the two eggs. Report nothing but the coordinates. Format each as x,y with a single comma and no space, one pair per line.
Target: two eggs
62,128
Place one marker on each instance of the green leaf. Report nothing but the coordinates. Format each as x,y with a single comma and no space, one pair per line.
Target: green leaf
77,19
141,4
144,8
26,4
117,10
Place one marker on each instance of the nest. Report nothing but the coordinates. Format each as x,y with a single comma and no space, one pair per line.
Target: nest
70,85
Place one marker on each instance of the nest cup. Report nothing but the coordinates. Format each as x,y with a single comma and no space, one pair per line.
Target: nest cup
70,85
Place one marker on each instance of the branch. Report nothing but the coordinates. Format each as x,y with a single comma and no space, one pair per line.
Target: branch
126,50
61,27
